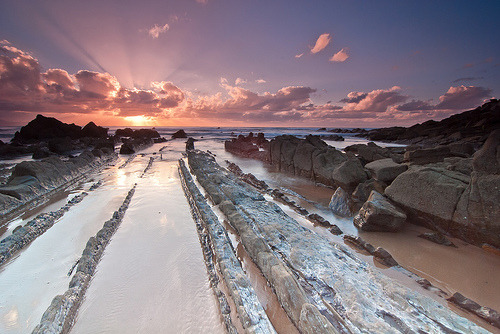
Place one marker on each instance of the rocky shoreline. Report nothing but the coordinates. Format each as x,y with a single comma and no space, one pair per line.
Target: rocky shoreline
23,235
319,284
452,188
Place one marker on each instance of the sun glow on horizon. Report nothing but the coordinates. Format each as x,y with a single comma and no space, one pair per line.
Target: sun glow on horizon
140,120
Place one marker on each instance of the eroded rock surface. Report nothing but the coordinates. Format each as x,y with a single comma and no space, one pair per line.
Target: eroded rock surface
322,286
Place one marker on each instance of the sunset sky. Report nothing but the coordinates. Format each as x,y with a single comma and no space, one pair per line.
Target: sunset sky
249,63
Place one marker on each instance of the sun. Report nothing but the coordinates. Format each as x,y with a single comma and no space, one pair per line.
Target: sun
140,120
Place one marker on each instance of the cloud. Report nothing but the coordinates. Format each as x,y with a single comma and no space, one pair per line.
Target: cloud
203,2
156,30
321,43
239,81
25,90
376,101
468,65
466,79
299,55
97,85
340,56
455,99
463,97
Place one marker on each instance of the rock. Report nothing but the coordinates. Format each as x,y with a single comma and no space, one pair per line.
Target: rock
428,155
179,134
248,147
41,153
379,215
145,133
363,190
349,174
491,249
476,218
487,159
437,238
340,203
461,165
315,218
324,162
61,145
127,148
385,170
429,192
190,144
471,127
371,152
333,137
384,257
359,243
127,132
47,127
134,145
488,314
92,130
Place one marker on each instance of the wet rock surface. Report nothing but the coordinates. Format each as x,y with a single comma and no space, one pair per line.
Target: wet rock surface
248,307
437,238
341,203
488,314
329,285
33,179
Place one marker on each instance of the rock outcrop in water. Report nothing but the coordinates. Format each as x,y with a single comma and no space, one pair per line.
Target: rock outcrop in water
440,182
46,136
249,146
321,286
313,158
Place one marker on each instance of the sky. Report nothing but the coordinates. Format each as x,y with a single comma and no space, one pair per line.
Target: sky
246,63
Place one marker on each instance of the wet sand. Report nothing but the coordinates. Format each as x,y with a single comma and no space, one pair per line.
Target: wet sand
152,278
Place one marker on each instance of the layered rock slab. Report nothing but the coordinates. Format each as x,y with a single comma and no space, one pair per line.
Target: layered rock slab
248,307
346,292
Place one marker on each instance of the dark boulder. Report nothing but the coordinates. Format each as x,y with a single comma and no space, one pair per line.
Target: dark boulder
45,128
190,144
179,134
127,132
92,130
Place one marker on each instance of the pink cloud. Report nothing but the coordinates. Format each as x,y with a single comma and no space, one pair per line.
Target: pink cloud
97,85
299,55
156,30
321,43
340,56
375,101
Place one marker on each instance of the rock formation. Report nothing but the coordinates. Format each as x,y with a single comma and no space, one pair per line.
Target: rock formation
379,215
